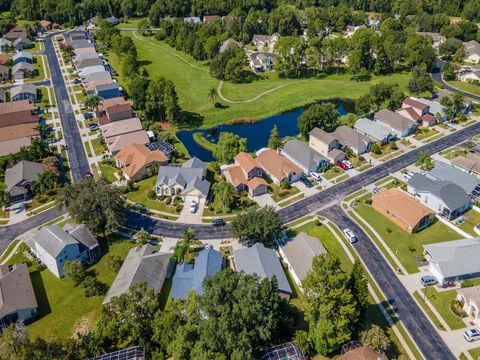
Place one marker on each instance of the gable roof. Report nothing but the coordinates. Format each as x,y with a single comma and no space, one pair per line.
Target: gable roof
18,131
246,161
261,261
471,293
375,130
226,44
303,154
470,162
446,172
53,239
189,277
414,103
472,47
455,258
434,107
394,120
349,137
136,156
116,101
88,62
188,176
22,89
23,171
142,264
237,177
362,353
300,252
82,234
16,290
121,127
117,143
22,66
322,135
106,87
98,75
195,163
275,164
22,54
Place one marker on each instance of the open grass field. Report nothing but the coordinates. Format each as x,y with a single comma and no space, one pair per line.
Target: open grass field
193,81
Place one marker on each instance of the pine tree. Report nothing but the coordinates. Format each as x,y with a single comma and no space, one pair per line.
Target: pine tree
275,140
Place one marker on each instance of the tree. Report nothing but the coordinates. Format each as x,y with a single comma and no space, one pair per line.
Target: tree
424,161
144,27
95,203
448,71
275,141
188,242
324,116
45,181
449,47
228,146
75,271
114,262
358,285
376,149
457,101
92,102
4,196
289,53
331,309
13,341
376,338
130,65
258,225
224,194
212,94
420,81
142,237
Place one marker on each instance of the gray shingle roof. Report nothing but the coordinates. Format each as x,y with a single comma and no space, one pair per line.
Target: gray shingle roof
23,171
376,131
23,88
264,262
82,234
53,239
16,290
472,47
446,172
451,194
349,137
142,264
300,252
100,75
103,87
394,120
22,54
322,135
455,258
303,154
22,66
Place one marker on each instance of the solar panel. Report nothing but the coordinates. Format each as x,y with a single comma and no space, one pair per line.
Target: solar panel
162,146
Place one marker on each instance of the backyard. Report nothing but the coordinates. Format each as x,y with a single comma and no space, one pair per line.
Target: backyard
470,219
283,94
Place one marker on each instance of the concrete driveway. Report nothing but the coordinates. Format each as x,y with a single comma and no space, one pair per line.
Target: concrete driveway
192,218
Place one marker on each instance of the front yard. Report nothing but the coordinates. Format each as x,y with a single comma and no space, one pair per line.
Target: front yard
241,203
470,219
332,172
283,193
423,133
384,150
109,172
442,300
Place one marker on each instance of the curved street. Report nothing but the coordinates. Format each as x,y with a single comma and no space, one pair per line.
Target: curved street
437,76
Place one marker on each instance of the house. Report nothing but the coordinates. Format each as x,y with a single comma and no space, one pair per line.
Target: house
108,91
114,109
470,299
348,137
4,75
22,70
398,124
265,40
142,264
79,41
188,180
304,156
93,22
378,133
264,263
192,19
164,147
117,143
138,162
22,43
84,73
91,86
112,20
246,175
443,197
362,353
98,75
17,294
14,137
298,254
453,260
54,246
435,37
189,277
85,49
468,74
261,61
417,111
20,178
15,33
278,167
18,112
90,54
22,56
229,42
469,163
350,30
434,108
5,58
443,171
121,127
5,44
326,144
472,51
23,92
210,18
402,209
88,62
45,25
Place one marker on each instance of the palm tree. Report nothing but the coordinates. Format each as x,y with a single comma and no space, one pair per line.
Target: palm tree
92,102
457,101
424,161
189,242
212,94
4,197
225,194
45,181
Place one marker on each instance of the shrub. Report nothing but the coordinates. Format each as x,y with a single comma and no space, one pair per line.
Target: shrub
388,230
467,283
152,195
376,149
411,248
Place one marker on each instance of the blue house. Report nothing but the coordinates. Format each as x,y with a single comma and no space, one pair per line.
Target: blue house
22,56
189,277
108,91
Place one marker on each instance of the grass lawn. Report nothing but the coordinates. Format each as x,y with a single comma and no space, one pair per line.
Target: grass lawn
87,149
419,297
140,196
98,148
471,88
193,81
424,133
453,152
285,193
406,246
332,172
38,66
291,201
475,353
441,301
8,250
384,150
57,298
341,178
200,139
470,219
108,172
242,203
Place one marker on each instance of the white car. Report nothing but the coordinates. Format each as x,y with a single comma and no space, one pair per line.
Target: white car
348,163
350,235
193,207
472,334
316,176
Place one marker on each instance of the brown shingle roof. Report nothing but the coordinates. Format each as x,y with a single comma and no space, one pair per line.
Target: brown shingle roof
136,156
15,106
470,162
246,161
362,353
115,109
415,104
471,293
17,112
393,119
277,165
322,135
119,142
237,177
4,58
14,145
18,131
121,127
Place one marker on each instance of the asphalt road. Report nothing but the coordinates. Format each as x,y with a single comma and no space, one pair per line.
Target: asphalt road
437,76
76,151
419,327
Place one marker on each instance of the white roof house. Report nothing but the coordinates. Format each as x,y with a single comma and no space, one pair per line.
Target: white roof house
373,130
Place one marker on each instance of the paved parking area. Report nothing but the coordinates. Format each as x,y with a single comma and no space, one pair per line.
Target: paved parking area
192,218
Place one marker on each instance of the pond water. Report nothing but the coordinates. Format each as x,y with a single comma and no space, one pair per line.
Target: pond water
257,134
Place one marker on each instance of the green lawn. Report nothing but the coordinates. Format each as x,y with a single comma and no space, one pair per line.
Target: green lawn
441,301
291,201
403,244
420,299
285,193
98,148
200,139
63,307
424,133
108,172
8,250
470,219
471,88
241,203
140,196
475,353
193,81
88,149
332,172
38,65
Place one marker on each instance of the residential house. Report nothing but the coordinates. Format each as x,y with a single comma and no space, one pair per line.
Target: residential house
15,33
74,43
98,75
114,109
189,277
210,18
4,75
326,144
434,108
5,58
22,56
246,175
469,297
229,42
261,61
17,294
188,180
122,133
54,246
18,112
45,25
85,49
84,73
472,51
138,162
469,163
20,178
402,209
348,137
263,262
142,264
108,91
446,172
443,197
308,159
93,22
5,44
265,40
192,19
14,137
88,62
91,87
23,92
417,111
362,353
453,260
378,133
350,30
298,253
468,73
436,38
91,54
164,147
121,127
278,167
112,20
22,43
398,124
22,70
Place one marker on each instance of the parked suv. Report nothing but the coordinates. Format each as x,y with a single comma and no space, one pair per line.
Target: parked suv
350,235
316,176
472,334
428,280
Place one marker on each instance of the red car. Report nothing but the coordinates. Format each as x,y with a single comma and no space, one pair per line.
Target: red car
341,165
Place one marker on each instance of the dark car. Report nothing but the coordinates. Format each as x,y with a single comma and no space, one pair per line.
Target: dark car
88,115
307,182
218,222
87,174
76,81
93,127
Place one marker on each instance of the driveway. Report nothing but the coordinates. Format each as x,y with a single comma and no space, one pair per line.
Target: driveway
264,200
192,218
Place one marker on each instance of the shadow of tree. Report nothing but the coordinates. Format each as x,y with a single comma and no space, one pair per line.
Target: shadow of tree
190,120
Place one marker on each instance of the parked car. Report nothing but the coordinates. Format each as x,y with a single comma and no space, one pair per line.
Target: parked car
376,190
316,176
87,174
350,235
218,222
193,207
341,165
76,81
428,280
348,163
408,175
307,182
472,334
88,115
93,127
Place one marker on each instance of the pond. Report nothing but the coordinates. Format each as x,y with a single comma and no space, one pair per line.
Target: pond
257,134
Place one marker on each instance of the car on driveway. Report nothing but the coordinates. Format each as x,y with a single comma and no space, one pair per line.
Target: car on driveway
350,235
472,334
218,222
93,127
193,207
341,165
307,182
376,190
348,164
428,280
87,115
316,176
